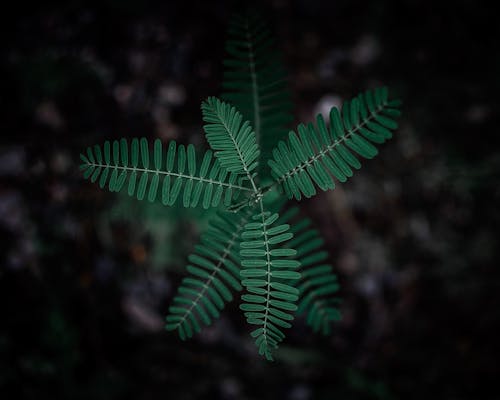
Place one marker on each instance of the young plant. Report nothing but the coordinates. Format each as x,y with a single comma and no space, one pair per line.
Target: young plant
277,261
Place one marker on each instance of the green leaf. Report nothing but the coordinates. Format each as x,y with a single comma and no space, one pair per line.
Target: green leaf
318,286
266,280
174,181
255,82
318,155
158,154
213,277
232,140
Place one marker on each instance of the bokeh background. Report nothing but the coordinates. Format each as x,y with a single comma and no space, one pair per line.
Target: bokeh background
86,277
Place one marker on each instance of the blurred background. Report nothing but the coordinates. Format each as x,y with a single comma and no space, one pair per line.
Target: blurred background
86,276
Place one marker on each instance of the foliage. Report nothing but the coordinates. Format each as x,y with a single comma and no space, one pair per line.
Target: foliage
255,81
249,247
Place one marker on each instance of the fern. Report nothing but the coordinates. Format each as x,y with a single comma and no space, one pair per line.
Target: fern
269,301
214,267
280,262
254,81
318,154
167,176
318,283
233,141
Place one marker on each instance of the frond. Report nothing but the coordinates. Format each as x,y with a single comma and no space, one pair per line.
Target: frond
214,274
267,270
255,80
318,285
169,175
318,154
232,139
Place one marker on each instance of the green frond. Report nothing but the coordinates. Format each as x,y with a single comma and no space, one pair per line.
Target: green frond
255,81
319,154
318,285
214,275
232,139
172,175
267,270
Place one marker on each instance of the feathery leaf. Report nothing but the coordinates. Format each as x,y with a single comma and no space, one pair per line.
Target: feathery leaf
232,139
318,284
214,275
164,177
269,299
254,81
316,155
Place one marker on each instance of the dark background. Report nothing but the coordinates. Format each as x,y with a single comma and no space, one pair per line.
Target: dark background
86,277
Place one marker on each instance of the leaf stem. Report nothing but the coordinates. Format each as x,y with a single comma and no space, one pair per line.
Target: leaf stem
183,176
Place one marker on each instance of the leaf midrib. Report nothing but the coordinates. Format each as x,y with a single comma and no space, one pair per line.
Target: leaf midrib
268,257
170,173
255,88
